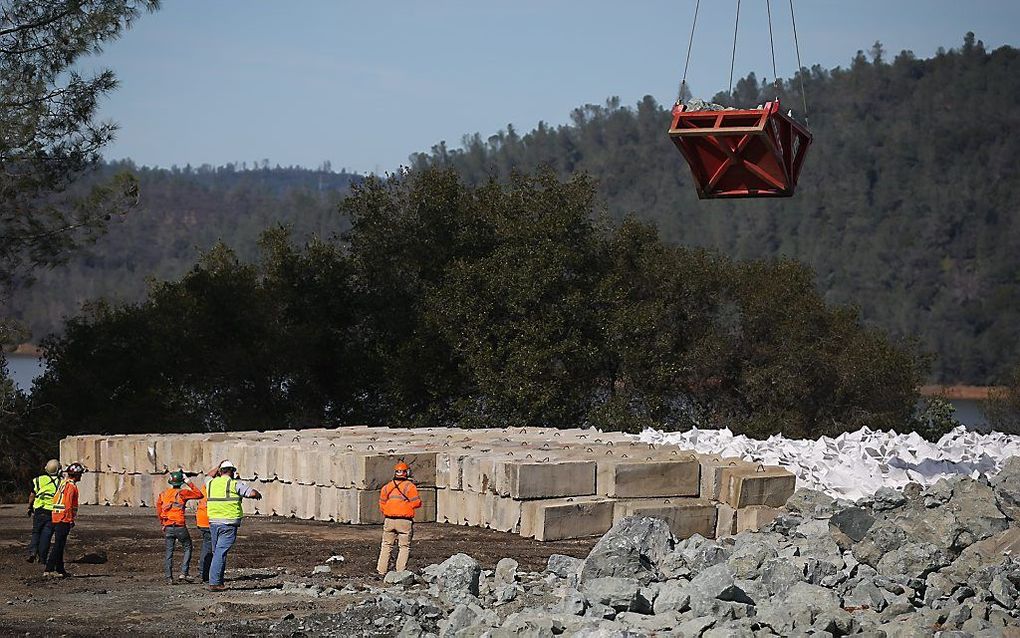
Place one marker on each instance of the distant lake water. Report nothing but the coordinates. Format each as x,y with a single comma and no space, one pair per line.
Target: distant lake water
24,369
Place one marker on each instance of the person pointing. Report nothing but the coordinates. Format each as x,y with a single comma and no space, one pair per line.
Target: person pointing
223,498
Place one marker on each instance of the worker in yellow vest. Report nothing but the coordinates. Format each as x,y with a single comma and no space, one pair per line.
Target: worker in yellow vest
223,504
40,508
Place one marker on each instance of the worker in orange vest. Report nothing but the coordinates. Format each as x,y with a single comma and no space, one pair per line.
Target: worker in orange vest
202,521
398,500
170,510
65,513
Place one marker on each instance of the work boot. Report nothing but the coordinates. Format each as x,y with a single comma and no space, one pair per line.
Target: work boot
31,558
184,578
50,574
217,588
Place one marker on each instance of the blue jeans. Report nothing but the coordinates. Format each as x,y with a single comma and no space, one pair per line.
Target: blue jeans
42,532
223,537
173,536
207,550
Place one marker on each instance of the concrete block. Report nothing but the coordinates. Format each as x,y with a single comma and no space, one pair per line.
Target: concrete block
372,470
625,478
342,469
557,519
88,488
726,520
305,498
479,472
348,505
448,504
501,514
450,468
711,474
761,485
686,516
369,513
754,517
551,479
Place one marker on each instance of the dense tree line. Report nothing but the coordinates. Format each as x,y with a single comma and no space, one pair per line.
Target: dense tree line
506,303
181,213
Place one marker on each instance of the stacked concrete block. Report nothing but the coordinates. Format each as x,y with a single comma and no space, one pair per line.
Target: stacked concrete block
542,483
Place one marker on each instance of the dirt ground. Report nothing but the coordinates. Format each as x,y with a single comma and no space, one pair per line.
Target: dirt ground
127,595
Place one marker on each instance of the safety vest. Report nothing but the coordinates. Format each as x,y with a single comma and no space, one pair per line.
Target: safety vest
65,502
171,502
202,512
224,501
45,488
399,499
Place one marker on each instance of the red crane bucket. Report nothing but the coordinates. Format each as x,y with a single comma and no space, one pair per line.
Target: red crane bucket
741,153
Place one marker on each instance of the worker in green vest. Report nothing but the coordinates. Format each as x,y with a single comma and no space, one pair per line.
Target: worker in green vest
40,508
224,506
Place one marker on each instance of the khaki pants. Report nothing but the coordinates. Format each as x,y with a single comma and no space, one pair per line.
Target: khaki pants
395,530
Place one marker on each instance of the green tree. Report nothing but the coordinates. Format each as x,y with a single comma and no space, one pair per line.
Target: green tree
49,132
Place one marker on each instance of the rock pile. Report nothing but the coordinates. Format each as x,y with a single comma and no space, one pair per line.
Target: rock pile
914,562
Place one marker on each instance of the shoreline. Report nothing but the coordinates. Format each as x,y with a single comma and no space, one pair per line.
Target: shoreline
947,391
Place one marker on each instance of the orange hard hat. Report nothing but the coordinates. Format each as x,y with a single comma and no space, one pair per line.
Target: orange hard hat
401,469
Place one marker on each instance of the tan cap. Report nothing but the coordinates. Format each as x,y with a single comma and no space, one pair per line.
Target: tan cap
52,466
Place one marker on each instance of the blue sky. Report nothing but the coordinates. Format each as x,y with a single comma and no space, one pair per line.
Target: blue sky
365,84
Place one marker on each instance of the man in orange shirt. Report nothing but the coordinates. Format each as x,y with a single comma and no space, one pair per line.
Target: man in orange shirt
170,510
65,511
398,500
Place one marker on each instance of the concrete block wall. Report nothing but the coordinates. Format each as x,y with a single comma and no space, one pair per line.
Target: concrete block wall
542,483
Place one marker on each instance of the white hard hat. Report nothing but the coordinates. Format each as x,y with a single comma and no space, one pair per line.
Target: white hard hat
52,466
227,465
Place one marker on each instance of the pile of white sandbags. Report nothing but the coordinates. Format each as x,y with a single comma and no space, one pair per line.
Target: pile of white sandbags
856,464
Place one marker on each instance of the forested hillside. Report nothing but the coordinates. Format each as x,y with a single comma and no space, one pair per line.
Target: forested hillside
907,205
183,212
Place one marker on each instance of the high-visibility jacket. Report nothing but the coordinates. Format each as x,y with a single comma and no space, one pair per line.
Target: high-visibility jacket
45,488
224,501
202,513
170,504
399,499
65,502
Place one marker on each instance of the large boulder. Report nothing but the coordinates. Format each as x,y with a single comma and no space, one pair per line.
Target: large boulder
457,578
746,561
853,522
634,548
622,594
914,560
780,574
674,596
1006,485
799,608
564,566
717,582
989,552
464,616
505,572
811,503
974,503
882,538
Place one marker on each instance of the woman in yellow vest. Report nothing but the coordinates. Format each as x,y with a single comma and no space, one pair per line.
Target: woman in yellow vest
40,508
223,504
